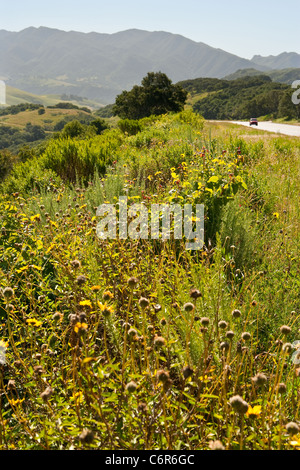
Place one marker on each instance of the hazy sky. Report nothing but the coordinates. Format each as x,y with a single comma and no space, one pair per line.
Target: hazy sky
241,27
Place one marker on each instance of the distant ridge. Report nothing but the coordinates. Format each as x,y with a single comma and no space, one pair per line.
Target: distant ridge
99,66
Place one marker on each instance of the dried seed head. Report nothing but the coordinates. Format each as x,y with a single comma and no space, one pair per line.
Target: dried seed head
131,332
216,445
224,346
239,404
131,386
75,264
46,394
38,370
236,313
142,407
222,324
86,437
8,293
189,307
187,372
143,302
132,282
157,308
195,293
281,388
246,336
229,334
285,330
162,375
204,321
57,316
259,379
81,280
11,384
287,347
163,321
159,341
292,428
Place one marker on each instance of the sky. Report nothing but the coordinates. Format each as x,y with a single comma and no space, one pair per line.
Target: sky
241,27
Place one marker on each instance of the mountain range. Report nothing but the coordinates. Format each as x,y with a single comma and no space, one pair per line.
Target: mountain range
99,66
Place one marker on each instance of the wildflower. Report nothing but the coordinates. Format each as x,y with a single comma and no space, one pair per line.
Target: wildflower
85,303
253,412
8,293
189,307
105,309
86,437
239,404
3,347
16,402
292,428
95,288
34,322
131,386
295,443
216,445
107,295
143,302
80,327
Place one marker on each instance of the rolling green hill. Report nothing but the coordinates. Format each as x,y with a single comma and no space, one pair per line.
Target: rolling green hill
16,96
282,76
242,98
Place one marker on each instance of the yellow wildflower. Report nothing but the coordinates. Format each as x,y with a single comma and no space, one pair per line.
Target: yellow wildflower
34,322
253,412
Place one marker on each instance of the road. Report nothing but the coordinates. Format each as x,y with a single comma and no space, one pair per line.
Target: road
285,129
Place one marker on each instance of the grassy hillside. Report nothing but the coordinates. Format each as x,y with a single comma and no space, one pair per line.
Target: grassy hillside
140,343
241,98
287,76
15,96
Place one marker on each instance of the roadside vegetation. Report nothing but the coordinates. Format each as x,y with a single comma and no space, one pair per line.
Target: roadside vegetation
142,344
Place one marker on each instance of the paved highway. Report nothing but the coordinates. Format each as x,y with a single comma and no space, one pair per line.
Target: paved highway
285,129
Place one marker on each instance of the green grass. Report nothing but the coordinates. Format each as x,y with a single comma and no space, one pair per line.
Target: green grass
109,345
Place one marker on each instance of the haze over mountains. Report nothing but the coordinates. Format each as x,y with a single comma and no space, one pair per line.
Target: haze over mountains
99,66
